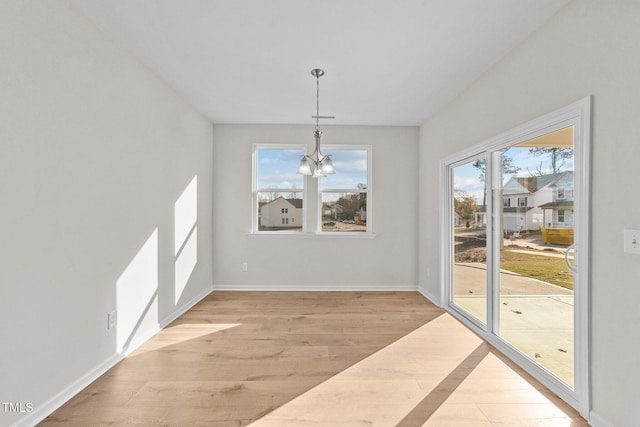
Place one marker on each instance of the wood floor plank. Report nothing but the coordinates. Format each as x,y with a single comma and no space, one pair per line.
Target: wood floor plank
239,357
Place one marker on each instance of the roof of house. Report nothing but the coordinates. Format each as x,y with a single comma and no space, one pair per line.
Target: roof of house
297,203
535,183
517,209
563,204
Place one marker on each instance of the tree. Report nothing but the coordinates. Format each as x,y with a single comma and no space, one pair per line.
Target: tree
464,205
362,198
508,168
295,194
350,203
557,155
537,172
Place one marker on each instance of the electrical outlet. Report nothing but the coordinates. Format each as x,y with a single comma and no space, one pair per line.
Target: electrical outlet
632,241
112,319
245,266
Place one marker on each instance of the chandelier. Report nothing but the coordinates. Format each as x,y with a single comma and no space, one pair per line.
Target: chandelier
317,164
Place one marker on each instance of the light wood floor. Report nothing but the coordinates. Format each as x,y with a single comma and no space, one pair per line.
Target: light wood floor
315,359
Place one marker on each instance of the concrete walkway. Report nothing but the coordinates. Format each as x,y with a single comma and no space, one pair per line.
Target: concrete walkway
535,317
470,279
535,243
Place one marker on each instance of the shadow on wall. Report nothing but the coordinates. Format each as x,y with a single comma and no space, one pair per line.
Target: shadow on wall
138,287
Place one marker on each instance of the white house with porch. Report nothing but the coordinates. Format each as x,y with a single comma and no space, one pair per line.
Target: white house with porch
533,203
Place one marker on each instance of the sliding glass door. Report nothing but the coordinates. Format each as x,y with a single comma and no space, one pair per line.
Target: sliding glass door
516,208
534,215
469,235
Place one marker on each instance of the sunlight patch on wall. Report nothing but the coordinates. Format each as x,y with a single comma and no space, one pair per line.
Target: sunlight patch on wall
185,236
137,293
185,263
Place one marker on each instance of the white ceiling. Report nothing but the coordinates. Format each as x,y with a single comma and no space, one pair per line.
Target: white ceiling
387,62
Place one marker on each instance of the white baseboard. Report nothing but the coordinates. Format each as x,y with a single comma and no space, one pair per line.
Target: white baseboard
429,296
56,401
313,288
142,338
45,409
597,421
185,307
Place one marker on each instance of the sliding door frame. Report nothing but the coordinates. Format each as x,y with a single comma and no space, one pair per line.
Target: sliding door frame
482,324
577,115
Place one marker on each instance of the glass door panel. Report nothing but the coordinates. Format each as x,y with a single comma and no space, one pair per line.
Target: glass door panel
534,223
469,237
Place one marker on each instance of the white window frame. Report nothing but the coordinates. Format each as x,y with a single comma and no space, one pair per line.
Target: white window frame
311,198
563,191
256,190
369,231
558,216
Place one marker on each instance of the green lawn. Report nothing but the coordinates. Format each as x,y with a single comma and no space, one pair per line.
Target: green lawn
545,268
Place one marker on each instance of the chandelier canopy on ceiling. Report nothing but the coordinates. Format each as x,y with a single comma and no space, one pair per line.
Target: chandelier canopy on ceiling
317,164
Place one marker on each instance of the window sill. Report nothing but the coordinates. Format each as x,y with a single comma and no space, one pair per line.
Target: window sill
300,235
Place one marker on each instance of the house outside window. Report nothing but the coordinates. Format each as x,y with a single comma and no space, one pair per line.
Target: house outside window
277,189
345,196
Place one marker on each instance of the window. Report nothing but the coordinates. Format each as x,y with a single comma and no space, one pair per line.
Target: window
561,193
344,196
278,190
560,215
522,202
506,202
341,203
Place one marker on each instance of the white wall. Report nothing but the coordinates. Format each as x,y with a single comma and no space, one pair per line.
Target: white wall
386,262
589,48
94,154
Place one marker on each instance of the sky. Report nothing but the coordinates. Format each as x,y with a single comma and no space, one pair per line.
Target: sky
277,169
466,177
